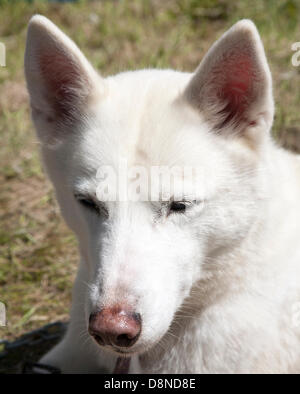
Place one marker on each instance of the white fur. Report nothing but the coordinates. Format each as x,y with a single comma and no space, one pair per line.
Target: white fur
215,287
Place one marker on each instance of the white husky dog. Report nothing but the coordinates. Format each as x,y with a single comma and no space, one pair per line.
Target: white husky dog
203,285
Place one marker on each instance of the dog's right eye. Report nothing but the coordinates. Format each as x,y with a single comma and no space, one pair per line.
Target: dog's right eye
90,204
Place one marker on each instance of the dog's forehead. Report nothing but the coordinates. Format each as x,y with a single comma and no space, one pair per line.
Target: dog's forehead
144,120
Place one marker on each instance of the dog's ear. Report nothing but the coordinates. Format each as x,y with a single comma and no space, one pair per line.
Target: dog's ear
60,80
232,87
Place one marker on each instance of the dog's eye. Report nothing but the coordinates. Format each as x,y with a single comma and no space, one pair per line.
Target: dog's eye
91,205
177,206
88,203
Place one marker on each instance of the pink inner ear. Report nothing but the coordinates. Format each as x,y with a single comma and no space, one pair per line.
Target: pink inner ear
234,78
63,80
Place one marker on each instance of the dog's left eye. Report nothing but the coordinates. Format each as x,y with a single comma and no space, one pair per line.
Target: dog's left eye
177,206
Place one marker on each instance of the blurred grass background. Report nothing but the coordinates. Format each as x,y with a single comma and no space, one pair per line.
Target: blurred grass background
37,252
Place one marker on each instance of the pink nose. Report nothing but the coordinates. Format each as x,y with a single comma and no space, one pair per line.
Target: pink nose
115,326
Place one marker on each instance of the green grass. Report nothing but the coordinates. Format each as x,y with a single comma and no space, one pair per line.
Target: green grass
37,251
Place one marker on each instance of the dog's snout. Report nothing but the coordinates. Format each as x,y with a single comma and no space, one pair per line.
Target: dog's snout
115,326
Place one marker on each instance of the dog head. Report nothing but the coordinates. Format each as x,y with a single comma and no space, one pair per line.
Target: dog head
143,256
